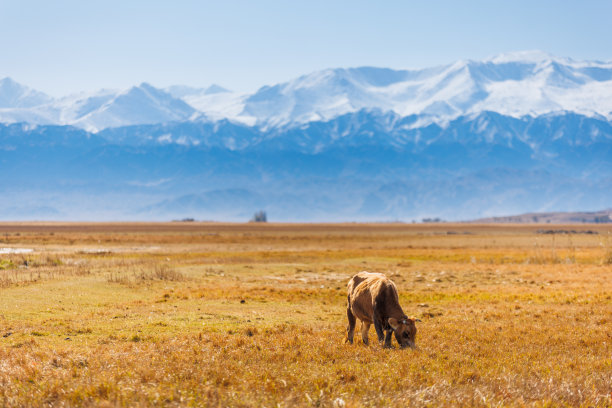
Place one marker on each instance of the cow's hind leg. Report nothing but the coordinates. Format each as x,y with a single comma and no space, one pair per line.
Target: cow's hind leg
365,328
350,330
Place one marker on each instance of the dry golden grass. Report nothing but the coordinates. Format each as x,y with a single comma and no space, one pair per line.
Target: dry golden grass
191,314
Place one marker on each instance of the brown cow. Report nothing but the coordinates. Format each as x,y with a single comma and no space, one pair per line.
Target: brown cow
373,299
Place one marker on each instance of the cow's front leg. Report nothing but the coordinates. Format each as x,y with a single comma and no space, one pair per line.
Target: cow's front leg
378,325
388,339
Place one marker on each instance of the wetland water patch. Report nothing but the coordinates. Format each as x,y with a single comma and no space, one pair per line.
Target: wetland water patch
15,250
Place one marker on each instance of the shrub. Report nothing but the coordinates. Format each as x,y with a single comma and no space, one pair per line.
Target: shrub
260,216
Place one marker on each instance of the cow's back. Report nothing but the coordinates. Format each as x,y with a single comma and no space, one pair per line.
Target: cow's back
363,288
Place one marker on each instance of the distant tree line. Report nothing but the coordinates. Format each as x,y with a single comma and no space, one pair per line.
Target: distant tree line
432,220
602,219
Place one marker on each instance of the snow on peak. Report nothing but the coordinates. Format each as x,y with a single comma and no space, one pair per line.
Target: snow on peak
183,91
94,111
142,104
530,56
215,89
15,95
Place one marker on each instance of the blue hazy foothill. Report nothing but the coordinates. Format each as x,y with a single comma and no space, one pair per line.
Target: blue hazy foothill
361,166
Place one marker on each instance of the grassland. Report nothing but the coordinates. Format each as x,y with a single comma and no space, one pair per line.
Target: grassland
191,314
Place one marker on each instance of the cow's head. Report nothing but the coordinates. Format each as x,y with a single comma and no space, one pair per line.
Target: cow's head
404,330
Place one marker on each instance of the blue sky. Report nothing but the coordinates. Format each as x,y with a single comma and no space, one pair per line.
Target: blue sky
65,46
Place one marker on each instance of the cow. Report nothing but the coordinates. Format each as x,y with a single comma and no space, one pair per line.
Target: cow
372,298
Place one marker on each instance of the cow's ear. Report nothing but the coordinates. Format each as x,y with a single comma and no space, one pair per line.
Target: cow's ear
393,323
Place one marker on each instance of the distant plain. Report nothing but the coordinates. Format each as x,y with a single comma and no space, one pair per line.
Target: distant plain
208,314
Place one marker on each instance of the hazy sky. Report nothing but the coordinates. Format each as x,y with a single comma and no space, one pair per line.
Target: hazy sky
65,46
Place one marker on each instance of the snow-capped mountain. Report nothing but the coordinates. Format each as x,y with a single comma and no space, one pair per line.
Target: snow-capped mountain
142,104
515,84
519,84
139,105
215,102
15,95
19,103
